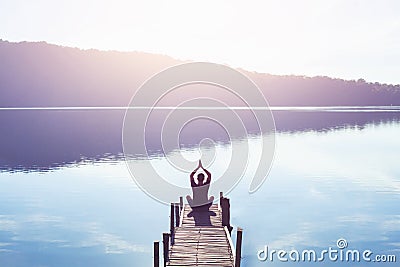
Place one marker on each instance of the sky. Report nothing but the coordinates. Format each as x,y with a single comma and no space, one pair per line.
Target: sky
346,39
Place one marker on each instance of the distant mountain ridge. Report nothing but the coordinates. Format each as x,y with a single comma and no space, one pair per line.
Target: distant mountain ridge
40,74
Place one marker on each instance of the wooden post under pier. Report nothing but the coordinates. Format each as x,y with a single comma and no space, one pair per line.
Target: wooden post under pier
180,204
165,247
171,223
238,256
177,214
226,212
156,254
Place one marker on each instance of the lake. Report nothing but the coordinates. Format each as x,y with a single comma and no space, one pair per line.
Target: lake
67,198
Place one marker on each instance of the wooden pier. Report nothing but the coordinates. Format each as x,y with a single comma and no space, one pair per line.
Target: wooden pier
200,237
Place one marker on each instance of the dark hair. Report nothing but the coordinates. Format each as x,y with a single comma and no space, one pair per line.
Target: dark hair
200,176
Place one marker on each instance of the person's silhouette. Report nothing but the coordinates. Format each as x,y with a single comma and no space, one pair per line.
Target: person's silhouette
200,189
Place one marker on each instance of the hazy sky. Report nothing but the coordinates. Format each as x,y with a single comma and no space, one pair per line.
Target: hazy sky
345,38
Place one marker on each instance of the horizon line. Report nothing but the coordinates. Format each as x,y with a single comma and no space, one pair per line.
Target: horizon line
272,108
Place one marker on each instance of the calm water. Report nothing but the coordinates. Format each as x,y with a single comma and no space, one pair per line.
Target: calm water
67,199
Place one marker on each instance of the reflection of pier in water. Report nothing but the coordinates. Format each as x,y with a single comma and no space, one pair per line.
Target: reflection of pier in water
200,237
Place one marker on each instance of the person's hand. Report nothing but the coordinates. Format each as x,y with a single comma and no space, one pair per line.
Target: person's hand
200,165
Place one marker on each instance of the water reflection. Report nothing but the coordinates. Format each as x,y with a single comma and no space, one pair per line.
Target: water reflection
324,186
332,177
47,139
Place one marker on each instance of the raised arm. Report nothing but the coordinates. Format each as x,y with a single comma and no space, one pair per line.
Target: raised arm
208,176
192,182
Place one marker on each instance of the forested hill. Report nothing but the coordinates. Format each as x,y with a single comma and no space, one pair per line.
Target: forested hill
41,74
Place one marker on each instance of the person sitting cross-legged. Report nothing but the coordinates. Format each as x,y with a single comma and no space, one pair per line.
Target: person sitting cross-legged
200,198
